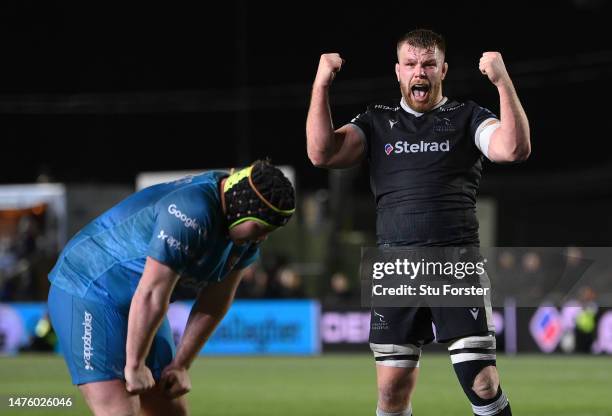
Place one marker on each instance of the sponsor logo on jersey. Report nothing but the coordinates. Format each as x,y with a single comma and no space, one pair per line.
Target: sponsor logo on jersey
449,108
443,125
172,242
87,340
385,107
187,222
392,123
419,147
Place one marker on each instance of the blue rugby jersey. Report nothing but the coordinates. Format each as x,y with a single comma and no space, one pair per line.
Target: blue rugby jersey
178,223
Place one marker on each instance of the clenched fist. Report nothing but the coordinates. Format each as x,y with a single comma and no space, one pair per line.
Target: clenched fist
138,379
175,381
329,65
492,65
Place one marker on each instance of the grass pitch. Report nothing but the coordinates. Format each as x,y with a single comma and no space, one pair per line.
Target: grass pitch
338,385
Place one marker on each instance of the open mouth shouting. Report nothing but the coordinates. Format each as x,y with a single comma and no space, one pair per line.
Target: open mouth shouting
420,92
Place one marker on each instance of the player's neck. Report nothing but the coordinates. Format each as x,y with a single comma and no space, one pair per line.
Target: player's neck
410,110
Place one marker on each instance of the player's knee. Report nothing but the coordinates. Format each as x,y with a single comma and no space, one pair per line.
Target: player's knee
397,366
392,395
473,359
486,383
392,390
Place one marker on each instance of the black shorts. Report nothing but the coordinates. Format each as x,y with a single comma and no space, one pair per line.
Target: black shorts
414,325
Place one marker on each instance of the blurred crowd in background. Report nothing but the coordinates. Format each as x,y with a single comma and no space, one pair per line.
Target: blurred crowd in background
29,246
27,253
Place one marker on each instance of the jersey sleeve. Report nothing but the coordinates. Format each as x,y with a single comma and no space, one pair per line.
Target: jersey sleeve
250,256
363,122
479,131
179,229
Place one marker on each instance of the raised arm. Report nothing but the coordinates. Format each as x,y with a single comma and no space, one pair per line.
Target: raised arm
147,310
326,147
210,307
510,142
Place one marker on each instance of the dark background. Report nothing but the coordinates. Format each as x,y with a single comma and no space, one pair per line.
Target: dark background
96,93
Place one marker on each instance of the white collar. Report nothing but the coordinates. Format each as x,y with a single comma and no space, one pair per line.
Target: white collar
416,113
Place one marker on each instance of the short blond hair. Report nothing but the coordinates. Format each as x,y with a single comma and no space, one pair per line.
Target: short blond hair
423,38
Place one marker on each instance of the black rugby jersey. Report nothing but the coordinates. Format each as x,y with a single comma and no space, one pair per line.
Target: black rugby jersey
424,163
424,172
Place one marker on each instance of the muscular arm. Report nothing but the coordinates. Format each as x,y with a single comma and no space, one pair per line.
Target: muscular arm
327,147
511,141
208,310
147,310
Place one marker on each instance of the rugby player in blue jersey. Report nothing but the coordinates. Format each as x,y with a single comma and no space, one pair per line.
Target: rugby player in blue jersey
112,283
425,155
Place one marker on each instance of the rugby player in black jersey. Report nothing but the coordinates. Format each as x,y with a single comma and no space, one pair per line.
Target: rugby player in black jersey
425,154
